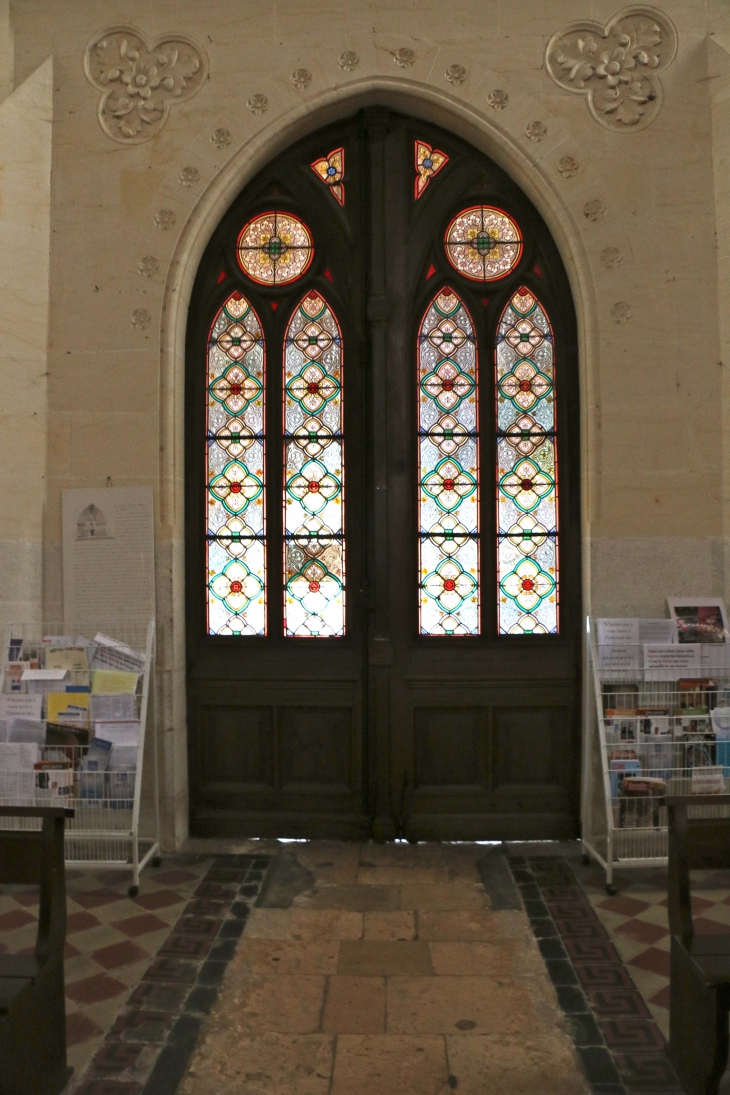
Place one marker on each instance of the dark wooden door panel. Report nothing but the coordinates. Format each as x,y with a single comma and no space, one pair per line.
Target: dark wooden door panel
385,731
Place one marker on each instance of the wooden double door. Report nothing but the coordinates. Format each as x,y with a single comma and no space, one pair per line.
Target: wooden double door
372,726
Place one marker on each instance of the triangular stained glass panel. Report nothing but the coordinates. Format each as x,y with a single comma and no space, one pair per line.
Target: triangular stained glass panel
331,170
429,162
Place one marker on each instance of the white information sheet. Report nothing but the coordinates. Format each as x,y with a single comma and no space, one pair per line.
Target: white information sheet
108,554
618,648
670,661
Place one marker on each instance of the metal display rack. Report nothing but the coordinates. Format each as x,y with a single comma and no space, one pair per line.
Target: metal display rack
646,738
105,829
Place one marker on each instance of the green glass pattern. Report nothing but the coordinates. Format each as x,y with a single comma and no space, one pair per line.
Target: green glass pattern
235,534
527,470
314,527
448,470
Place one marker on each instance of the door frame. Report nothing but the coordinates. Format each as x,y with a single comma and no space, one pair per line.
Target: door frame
431,105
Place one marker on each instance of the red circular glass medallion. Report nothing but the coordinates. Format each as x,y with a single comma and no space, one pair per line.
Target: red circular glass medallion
313,486
236,587
527,584
526,484
525,385
235,388
448,484
312,388
448,385
314,587
449,584
235,488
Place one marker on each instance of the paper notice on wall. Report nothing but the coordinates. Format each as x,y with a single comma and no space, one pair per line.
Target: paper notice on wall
108,554
670,661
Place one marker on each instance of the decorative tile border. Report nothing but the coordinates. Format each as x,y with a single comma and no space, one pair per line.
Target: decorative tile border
621,1048
149,1047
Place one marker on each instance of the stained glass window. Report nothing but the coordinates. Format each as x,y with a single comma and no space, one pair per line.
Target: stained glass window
331,170
527,483
236,541
448,469
314,544
275,248
429,162
483,243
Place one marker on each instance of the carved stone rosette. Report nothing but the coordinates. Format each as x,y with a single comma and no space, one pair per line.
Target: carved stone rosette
617,66
140,80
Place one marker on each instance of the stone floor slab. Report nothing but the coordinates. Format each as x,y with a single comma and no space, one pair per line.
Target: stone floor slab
355,1005
389,1065
381,958
447,1005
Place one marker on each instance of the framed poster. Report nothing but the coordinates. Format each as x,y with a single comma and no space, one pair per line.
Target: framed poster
699,619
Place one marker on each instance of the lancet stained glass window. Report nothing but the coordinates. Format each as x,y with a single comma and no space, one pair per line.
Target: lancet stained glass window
314,544
236,540
275,248
448,469
527,475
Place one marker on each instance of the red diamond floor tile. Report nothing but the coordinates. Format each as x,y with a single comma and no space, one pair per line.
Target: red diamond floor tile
654,960
177,877
661,998
641,931
79,1028
92,899
627,906
16,918
119,954
704,926
92,990
158,899
699,904
70,951
81,922
28,899
135,926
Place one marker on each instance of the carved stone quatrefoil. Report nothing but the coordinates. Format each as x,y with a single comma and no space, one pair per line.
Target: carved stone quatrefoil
140,80
617,66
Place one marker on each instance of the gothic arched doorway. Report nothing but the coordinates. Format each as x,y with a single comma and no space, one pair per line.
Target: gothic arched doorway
383,573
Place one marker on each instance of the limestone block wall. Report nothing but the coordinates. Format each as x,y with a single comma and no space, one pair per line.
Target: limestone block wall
634,201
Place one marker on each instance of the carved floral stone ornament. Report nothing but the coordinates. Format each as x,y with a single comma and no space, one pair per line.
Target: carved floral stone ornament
148,266
498,99
221,138
140,80
257,104
568,167
348,60
621,312
455,74
611,257
301,78
140,319
165,219
404,57
617,66
536,131
189,176
594,209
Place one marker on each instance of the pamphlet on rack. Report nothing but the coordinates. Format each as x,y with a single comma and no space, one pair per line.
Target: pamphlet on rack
670,661
71,658
17,705
112,682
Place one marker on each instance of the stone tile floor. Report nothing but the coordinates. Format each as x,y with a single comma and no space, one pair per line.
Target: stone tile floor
636,920
385,969
111,938
373,967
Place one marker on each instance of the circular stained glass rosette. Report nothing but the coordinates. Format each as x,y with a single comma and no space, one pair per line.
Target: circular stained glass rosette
275,248
483,243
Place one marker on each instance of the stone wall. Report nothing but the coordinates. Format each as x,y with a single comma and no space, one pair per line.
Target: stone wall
634,197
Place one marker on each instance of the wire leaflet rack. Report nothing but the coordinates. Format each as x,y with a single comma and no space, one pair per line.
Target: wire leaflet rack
646,738
105,830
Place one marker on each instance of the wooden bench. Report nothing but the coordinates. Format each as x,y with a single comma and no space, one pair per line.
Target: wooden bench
32,1001
699,992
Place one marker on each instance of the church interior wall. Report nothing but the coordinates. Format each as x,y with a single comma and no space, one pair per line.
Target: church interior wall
96,381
